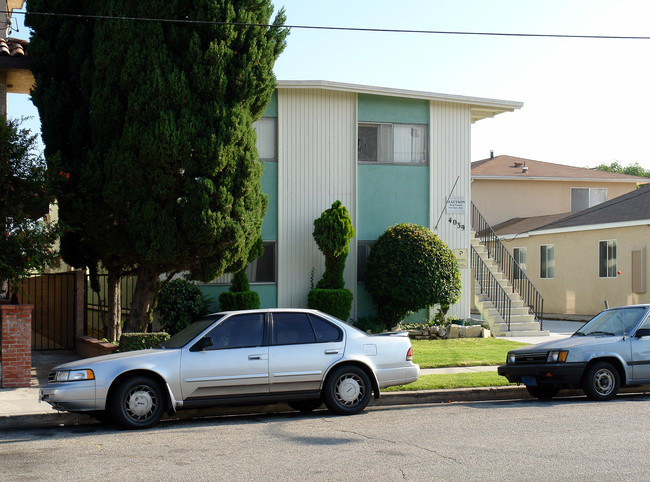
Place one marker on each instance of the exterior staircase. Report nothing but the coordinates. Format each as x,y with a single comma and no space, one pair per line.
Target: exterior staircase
503,295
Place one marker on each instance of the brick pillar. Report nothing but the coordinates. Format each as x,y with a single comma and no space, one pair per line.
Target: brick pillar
16,339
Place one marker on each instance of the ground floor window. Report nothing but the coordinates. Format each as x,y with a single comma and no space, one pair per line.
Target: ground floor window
547,261
261,270
607,259
363,250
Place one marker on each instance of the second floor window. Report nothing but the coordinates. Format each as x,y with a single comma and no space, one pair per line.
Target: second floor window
267,134
393,143
586,197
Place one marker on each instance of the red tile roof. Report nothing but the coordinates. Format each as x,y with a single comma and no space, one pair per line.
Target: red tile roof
13,47
509,167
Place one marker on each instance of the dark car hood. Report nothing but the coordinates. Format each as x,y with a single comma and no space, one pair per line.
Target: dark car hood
571,342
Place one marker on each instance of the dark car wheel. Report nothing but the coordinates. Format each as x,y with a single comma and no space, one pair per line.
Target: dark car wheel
347,390
543,393
601,381
138,402
306,406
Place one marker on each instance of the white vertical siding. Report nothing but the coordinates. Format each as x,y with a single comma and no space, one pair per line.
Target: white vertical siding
450,161
316,166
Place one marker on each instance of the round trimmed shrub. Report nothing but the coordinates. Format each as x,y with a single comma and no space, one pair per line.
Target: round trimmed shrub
180,303
410,268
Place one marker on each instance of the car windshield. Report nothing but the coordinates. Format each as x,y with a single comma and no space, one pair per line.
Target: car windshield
615,322
183,337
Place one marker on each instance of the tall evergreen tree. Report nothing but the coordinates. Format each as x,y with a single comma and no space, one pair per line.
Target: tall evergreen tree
170,164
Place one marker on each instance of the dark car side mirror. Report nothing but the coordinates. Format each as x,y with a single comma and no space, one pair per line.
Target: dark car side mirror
202,344
641,332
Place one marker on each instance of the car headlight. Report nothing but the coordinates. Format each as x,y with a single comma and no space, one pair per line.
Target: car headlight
74,375
557,356
512,358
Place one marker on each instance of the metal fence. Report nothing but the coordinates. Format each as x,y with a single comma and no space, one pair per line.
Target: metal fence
53,319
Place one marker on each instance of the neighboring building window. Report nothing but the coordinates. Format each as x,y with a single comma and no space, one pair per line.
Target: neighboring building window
267,135
547,261
261,270
393,143
607,259
586,197
363,251
520,257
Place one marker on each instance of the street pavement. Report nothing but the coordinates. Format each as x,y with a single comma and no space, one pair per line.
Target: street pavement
20,407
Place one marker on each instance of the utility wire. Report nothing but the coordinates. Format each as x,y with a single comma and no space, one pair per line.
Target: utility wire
348,29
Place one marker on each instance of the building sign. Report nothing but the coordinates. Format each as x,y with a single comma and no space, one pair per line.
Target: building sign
456,205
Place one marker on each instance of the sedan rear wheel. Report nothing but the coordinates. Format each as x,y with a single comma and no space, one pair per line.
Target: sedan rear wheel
347,390
601,381
137,402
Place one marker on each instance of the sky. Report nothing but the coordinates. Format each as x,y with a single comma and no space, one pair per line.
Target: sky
585,100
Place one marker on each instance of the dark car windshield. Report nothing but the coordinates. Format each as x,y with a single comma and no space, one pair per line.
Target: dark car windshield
614,322
183,337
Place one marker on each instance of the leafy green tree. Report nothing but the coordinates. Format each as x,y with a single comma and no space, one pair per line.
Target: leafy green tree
164,170
410,268
632,170
180,303
26,244
333,231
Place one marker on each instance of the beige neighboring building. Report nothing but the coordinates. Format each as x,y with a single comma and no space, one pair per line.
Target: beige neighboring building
578,261
506,187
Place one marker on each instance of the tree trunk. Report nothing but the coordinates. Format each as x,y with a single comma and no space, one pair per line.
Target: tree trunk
114,328
143,298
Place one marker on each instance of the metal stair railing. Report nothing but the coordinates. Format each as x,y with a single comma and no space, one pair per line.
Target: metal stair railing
508,265
491,287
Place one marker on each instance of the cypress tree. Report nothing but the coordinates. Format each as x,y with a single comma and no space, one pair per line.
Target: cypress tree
170,166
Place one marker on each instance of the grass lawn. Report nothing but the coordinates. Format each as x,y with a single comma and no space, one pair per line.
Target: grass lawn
457,380
462,352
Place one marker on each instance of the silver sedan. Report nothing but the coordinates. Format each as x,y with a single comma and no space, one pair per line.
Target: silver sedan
303,357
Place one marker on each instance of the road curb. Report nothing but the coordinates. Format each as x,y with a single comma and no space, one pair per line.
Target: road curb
54,419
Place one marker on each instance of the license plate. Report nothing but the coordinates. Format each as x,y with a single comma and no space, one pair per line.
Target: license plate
529,381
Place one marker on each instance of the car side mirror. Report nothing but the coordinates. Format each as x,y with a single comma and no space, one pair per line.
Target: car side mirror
641,332
202,344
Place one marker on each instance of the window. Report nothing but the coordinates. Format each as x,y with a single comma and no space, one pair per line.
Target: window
520,257
363,251
292,328
295,328
547,261
239,331
260,270
586,197
266,129
607,259
393,143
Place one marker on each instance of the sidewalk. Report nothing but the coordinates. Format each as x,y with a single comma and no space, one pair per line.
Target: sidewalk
20,408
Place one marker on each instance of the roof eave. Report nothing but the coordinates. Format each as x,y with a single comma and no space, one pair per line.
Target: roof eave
481,108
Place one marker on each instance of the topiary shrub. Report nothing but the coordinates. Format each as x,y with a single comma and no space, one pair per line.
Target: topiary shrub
240,296
337,303
180,303
333,231
141,341
410,268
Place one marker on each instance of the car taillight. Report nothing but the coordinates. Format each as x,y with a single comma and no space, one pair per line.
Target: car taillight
409,354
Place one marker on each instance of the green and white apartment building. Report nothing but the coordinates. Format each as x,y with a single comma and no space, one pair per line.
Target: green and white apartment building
389,155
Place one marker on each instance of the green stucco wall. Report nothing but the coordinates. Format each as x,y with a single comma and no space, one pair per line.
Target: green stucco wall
380,108
389,195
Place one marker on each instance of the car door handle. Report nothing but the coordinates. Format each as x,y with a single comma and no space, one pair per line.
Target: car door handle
331,352
254,357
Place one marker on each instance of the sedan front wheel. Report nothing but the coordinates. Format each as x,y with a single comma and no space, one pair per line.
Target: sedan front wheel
138,402
601,381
